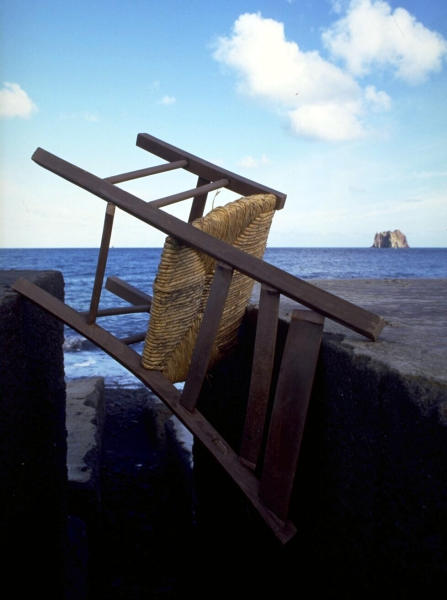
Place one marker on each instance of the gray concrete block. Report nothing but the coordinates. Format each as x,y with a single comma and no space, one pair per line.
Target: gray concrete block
413,345
85,422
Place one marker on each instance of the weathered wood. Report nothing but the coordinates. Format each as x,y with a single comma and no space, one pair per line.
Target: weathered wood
198,203
178,164
102,261
120,310
261,376
134,339
205,169
126,291
204,189
154,380
289,412
205,338
333,307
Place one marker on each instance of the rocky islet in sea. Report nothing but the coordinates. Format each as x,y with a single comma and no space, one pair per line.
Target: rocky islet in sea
390,239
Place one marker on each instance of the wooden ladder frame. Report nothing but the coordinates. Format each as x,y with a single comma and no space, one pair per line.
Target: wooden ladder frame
270,492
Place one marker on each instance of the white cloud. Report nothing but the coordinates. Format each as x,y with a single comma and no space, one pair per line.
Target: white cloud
372,35
331,121
15,102
249,162
167,100
319,99
377,100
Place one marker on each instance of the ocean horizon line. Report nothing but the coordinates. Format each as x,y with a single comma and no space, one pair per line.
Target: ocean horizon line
161,247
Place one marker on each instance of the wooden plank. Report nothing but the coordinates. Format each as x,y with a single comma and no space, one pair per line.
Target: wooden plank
204,189
261,376
178,164
356,318
205,169
198,203
289,410
205,338
126,291
102,261
170,395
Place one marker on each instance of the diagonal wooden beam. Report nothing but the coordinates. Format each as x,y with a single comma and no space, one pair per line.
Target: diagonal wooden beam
290,407
102,261
205,338
261,376
329,305
199,202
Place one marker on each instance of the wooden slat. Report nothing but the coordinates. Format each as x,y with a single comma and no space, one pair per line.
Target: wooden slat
198,203
342,311
261,376
178,164
205,169
102,261
205,338
204,189
126,291
290,409
121,310
134,339
154,380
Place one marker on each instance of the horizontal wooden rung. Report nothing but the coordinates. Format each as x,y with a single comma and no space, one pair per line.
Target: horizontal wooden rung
134,339
121,310
126,291
203,189
177,164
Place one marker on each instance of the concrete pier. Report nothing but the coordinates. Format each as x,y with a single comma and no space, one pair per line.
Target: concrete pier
32,441
414,342
370,495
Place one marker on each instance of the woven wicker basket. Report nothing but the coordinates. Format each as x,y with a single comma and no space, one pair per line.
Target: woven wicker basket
183,281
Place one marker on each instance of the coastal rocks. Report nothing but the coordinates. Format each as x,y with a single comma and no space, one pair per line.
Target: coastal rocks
390,239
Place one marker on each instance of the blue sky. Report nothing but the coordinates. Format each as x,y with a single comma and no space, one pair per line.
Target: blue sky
339,104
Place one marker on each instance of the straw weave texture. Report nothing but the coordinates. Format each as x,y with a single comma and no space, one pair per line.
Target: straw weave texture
183,282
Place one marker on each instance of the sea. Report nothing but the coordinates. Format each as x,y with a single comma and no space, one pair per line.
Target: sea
138,266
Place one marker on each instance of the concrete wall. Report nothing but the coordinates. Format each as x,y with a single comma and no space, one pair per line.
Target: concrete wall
370,498
32,440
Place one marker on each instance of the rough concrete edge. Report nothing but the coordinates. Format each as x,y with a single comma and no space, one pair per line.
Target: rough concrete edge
89,392
429,396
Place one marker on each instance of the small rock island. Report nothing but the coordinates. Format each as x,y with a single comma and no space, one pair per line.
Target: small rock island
390,239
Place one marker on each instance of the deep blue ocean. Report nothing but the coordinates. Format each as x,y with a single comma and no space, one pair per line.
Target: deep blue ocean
138,266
